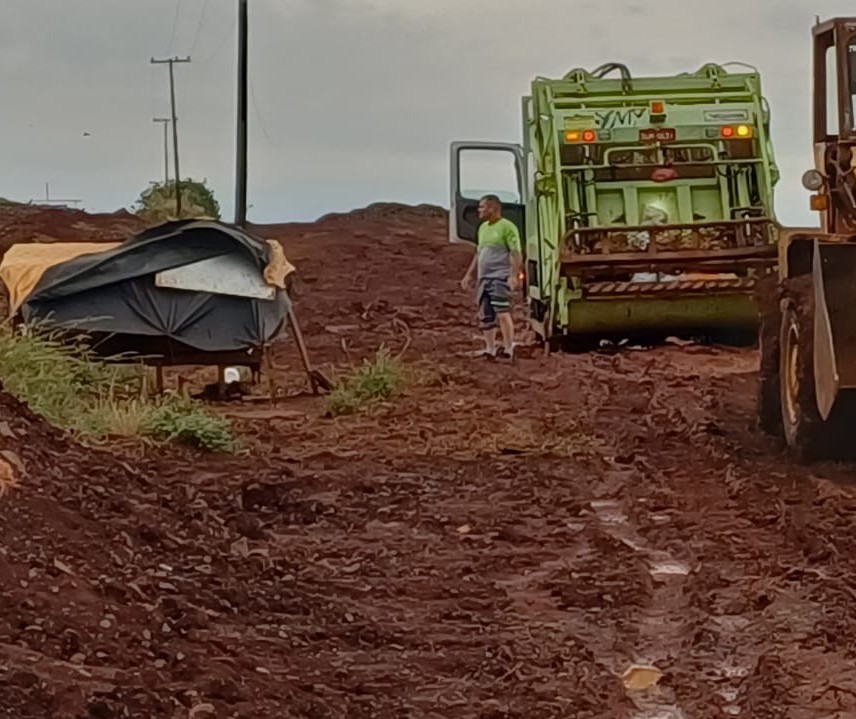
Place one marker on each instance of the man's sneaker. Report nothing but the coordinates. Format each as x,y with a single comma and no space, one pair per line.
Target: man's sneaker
505,354
487,354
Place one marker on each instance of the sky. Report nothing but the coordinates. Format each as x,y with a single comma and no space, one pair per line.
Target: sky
352,101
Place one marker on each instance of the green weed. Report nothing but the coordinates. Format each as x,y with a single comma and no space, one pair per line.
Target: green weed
66,382
377,379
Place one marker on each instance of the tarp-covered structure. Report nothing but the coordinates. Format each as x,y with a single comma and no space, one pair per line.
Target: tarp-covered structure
180,289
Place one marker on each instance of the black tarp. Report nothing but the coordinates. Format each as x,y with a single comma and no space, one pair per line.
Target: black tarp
114,293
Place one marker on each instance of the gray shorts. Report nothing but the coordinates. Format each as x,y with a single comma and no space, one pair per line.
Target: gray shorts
494,298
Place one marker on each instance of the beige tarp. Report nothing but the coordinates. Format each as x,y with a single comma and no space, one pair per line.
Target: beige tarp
23,265
279,267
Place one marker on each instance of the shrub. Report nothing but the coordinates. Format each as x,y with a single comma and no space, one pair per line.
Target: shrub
377,379
62,379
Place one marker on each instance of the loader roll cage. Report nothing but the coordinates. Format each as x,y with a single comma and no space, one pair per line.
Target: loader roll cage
840,36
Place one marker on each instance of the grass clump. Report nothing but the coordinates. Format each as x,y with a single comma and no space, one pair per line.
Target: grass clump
63,380
182,420
377,379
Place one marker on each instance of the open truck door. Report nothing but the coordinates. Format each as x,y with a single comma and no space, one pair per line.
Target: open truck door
485,168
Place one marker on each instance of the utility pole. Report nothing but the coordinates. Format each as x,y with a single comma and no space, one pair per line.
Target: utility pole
165,122
241,160
49,201
171,61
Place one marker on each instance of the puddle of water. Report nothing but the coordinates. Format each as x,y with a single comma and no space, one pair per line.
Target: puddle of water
609,511
635,545
664,712
733,671
668,567
731,622
729,695
600,503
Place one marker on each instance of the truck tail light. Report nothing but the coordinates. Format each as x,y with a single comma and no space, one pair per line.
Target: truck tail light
581,136
742,132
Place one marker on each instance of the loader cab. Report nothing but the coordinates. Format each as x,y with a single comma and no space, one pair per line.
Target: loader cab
834,126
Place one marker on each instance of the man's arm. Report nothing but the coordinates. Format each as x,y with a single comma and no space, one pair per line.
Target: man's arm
467,281
516,257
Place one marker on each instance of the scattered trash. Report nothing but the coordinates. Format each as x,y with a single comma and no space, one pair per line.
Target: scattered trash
639,677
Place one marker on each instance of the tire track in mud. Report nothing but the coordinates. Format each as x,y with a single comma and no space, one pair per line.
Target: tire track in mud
661,622
766,568
699,620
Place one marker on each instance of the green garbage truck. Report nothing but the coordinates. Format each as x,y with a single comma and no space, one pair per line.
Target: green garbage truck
645,204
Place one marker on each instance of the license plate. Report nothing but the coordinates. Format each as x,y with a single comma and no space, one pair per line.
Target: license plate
657,134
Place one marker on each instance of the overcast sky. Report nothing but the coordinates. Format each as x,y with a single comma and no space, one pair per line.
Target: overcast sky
354,101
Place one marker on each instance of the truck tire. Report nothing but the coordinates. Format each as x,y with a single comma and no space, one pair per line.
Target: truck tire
802,426
769,404
732,338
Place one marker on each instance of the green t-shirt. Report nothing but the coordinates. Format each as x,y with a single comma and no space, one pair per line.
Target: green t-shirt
496,242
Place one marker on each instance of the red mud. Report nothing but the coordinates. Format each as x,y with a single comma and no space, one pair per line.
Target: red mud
501,541
37,223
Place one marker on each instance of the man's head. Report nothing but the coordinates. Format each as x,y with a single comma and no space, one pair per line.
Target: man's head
490,208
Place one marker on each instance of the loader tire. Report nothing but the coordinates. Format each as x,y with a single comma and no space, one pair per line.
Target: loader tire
769,404
804,430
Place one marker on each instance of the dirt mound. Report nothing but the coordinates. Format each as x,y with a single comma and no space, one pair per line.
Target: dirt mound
172,586
387,211
38,223
500,541
96,558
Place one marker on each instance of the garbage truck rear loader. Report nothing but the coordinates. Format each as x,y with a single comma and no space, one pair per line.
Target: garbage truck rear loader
646,203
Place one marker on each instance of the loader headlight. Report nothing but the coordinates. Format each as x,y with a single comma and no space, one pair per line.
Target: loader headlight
812,180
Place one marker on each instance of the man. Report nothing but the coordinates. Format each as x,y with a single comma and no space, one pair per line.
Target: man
496,269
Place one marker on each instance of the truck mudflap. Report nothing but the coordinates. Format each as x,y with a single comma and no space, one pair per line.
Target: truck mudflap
833,270
670,287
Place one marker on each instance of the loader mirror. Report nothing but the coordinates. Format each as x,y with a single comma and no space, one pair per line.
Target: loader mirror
812,180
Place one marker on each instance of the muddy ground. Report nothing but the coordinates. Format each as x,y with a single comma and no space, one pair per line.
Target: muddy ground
501,541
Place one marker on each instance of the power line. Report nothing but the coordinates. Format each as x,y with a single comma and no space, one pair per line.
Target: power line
174,26
222,42
259,116
199,26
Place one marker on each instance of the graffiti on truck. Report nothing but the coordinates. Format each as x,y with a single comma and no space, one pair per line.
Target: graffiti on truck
625,117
